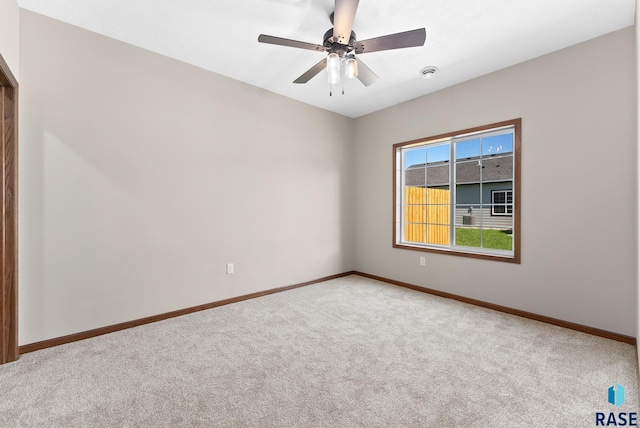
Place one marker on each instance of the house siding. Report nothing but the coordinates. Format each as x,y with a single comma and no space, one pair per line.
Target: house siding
470,194
484,218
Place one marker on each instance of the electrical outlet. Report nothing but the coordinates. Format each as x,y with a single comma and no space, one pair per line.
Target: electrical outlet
423,261
230,268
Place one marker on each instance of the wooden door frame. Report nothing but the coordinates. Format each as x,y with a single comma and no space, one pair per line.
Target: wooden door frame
9,215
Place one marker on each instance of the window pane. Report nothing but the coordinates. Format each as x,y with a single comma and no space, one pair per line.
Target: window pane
415,156
468,171
438,175
468,149
497,230
415,195
497,168
497,239
468,236
468,215
438,153
437,234
467,194
415,214
468,222
415,233
415,176
414,164
438,214
497,144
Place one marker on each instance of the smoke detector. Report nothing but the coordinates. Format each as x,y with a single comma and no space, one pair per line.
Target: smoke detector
428,72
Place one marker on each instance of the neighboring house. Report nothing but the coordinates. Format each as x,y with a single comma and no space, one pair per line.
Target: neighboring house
484,191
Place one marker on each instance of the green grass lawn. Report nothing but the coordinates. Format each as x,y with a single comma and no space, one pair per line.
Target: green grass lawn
496,239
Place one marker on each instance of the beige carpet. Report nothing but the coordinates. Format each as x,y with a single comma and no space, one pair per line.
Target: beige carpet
347,352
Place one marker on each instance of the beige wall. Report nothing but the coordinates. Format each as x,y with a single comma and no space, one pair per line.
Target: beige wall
579,214
637,183
141,177
9,24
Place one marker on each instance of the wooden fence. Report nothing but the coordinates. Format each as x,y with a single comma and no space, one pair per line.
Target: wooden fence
427,215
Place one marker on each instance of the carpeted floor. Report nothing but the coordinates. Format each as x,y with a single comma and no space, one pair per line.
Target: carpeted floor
347,352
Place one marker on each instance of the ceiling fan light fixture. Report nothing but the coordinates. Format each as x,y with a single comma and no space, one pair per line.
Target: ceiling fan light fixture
350,68
333,68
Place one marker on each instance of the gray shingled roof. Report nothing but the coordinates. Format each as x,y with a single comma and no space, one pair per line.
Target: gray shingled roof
494,168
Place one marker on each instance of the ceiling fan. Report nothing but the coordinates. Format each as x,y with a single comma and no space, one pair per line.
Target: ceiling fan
341,45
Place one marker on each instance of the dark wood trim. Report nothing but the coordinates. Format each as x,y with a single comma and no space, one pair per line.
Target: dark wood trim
394,191
461,253
142,321
7,79
517,124
9,232
637,366
557,322
461,132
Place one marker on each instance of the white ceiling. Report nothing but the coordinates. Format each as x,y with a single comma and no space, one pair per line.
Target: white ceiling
465,38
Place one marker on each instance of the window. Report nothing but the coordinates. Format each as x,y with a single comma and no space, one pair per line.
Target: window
459,193
501,202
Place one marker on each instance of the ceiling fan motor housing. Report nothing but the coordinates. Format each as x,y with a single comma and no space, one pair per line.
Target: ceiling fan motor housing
335,47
